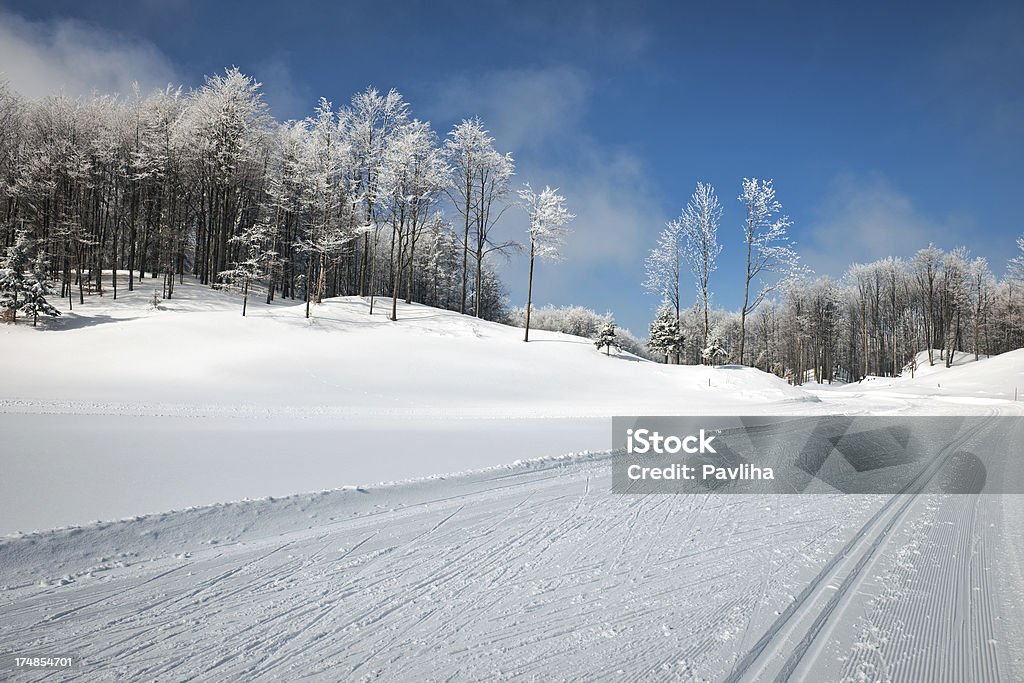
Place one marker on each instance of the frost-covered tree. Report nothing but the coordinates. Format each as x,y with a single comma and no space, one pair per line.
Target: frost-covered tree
955,299
606,337
36,288
714,350
767,331
982,283
666,337
480,182
1015,268
466,148
547,230
160,184
255,259
374,120
769,248
700,226
663,266
223,129
413,174
285,208
927,265
491,299
13,281
442,264
865,281
324,166
896,293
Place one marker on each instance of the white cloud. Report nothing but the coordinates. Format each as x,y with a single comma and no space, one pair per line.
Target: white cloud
865,218
43,58
286,97
523,108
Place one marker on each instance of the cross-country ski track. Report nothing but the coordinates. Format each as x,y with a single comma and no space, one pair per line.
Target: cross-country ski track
532,572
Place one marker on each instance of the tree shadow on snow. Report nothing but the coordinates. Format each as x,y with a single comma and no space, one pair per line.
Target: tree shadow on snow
70,321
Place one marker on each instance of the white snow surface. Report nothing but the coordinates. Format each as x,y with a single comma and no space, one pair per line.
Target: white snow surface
196,355
127,409
996,378
525,567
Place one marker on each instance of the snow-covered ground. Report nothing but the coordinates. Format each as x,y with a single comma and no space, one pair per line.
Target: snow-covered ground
531,572
968,387
127,410
197,356
987,380
525,570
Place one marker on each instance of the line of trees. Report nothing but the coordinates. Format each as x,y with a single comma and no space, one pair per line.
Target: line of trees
691,241
872,321
365,199
356,200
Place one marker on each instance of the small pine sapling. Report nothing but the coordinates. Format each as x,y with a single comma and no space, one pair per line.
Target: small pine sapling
606,337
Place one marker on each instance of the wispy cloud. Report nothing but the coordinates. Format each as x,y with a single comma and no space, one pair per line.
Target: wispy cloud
524,108
538,115
866,217
63,55
287,97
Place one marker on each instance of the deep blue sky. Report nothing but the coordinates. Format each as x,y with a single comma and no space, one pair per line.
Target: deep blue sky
884,125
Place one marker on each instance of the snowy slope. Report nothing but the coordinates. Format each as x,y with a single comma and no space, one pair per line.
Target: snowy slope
125,409
992,379
199,356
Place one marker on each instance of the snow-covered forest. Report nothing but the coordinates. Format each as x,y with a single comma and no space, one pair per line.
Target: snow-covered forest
872,321
206,184
365,199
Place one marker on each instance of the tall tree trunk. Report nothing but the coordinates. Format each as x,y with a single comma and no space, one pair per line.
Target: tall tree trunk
529,293
746,299
465,259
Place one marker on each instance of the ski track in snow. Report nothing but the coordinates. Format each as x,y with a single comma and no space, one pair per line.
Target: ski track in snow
535,572
942,631
527,572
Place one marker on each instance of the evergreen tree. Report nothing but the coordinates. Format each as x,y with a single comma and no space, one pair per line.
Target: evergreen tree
606,338
666,337
13,282
36,287
714,349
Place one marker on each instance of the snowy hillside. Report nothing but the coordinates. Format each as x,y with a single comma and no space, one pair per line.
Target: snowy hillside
120,404
198,354
997,378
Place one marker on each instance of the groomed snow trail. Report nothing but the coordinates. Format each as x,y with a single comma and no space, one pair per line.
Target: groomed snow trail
533,572
942,630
